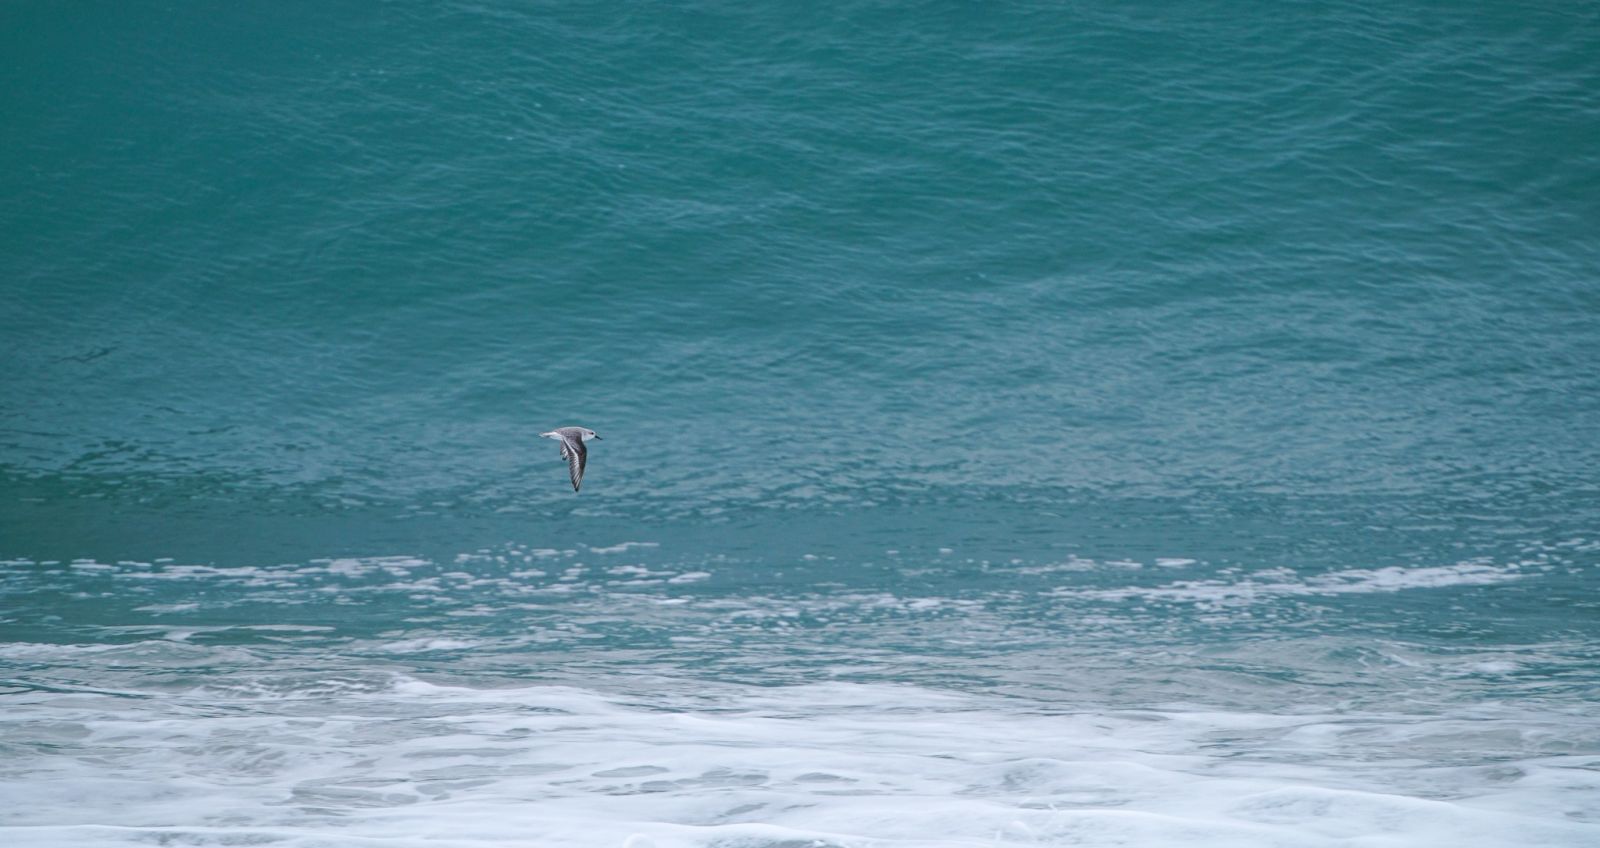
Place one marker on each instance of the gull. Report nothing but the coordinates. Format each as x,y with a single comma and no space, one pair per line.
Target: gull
572,449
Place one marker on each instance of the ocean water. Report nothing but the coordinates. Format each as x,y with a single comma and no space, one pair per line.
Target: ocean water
1024,424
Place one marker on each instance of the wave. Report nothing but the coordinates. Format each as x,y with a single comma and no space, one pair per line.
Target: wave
831,764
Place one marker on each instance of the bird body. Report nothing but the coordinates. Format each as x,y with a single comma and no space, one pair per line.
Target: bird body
573,449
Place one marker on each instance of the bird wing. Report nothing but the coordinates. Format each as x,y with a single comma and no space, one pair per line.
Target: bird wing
576,455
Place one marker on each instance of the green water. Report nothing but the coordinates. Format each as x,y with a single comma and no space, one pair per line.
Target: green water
1226,372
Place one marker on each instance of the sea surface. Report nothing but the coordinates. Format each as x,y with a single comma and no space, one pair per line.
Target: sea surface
1024,424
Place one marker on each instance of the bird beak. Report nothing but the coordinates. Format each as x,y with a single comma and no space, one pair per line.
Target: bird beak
597,435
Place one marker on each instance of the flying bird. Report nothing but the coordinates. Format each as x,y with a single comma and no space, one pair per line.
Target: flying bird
572,449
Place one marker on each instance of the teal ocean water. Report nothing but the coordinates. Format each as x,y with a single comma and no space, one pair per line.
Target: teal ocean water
1024,424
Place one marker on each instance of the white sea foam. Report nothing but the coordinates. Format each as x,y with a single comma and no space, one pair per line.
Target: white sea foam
255,744
1284,582
414,646
415,763
690,577
30,650
623,546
